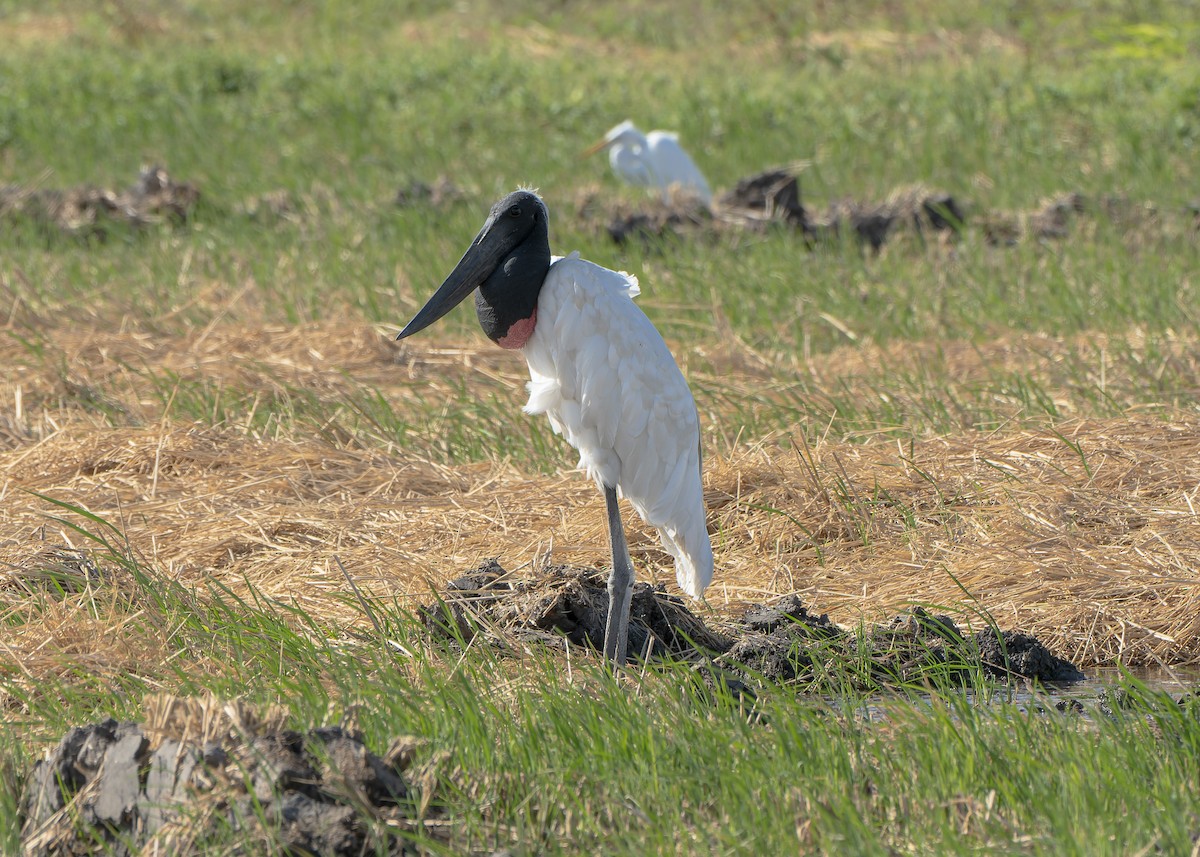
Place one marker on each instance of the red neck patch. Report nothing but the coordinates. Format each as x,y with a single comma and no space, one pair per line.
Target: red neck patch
519,332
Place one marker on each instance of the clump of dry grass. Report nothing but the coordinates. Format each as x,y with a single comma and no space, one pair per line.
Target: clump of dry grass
1084,534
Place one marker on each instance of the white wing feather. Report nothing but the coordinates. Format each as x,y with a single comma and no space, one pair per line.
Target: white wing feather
603,375
672,165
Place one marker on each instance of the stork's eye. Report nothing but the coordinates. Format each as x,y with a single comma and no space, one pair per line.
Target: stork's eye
515,211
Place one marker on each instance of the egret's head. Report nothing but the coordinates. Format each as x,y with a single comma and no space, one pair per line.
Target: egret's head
626,133
623,132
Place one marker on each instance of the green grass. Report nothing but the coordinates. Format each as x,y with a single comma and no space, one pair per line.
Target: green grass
567,762
241,114
340,104
1015,106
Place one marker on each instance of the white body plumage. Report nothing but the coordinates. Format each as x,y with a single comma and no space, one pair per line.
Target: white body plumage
654,160
603,375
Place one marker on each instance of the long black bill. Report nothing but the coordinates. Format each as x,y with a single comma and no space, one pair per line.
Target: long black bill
482,258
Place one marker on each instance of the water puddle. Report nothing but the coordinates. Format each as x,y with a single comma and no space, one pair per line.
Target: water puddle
1104,690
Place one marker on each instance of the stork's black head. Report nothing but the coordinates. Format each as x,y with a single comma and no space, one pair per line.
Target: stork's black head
507,262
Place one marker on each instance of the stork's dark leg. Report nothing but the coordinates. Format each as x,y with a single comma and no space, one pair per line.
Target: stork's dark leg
620,585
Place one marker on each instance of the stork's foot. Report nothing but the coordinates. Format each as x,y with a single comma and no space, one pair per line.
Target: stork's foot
616,629
620,588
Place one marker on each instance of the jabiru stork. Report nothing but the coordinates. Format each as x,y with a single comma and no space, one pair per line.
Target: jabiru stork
602,374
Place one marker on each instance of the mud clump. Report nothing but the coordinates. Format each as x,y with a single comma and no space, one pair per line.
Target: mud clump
787,612
132,788
766,195
565,604
916,208
89,212
772,198
912,648
680,216
776,641
1012,653
781,642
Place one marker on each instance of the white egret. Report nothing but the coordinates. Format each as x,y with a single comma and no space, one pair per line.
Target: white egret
653,160
603,375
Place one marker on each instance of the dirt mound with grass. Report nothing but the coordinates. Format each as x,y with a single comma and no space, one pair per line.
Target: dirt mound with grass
773,199
760,201
88,211
782,641
197,767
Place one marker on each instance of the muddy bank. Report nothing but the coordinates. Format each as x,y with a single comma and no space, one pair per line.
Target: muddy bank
207,767
770,199
773,199
780,642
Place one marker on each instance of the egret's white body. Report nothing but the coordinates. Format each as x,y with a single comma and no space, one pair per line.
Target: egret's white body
653,160
603,375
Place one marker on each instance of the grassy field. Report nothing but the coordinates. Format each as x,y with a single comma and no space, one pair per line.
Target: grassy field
198,421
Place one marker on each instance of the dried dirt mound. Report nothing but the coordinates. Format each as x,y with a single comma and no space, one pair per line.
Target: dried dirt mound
769,194
780,642
916,207
568,604
197,767
794,645
773,198
88,211
682,216
767,199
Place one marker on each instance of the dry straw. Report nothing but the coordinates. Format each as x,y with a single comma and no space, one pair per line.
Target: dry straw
1083,533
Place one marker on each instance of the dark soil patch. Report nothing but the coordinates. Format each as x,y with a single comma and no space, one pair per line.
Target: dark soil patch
915,208
767,195
657,220
774,196
88,211
781,642
773,199
128,788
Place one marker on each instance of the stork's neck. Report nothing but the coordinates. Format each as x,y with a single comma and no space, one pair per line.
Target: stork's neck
506,303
